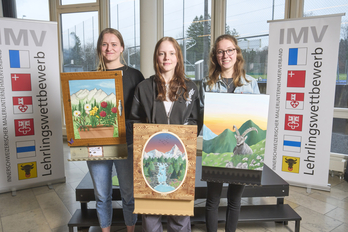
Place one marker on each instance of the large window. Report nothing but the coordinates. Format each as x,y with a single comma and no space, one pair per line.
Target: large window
314,8
79,40
68,2
339,142
189,23
247,20
32,9
124,16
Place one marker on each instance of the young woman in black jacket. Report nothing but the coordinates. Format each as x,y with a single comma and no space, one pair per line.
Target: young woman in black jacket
166,98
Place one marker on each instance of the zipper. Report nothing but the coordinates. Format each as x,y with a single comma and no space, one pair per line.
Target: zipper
170,111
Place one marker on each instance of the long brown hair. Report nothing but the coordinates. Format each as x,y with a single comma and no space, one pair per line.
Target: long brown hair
178,80
215,68
101,64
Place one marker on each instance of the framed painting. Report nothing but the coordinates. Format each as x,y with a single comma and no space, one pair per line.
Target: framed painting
94,114
164,168
234,137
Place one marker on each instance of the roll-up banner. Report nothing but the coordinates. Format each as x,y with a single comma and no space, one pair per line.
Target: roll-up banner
31,144
302,69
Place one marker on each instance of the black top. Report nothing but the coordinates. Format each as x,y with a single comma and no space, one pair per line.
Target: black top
147,109
131,78
229,84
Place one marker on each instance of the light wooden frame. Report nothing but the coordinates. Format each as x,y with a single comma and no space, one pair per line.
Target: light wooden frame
89,142
178,202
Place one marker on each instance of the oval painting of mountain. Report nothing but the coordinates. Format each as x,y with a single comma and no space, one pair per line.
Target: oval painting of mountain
164,162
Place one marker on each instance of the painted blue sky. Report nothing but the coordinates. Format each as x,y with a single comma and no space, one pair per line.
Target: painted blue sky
107,85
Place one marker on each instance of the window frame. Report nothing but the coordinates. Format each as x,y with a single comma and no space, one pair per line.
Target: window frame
293,9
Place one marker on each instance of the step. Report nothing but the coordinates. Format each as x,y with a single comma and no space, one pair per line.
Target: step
249,213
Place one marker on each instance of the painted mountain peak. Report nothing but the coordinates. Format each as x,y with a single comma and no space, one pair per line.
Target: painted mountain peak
226,141
174,152
88,96
207,133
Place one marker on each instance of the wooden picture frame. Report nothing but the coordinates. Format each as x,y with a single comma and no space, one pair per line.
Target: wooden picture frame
94,114
171,148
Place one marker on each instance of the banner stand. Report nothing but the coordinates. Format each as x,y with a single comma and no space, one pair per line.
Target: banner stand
31,140
301,80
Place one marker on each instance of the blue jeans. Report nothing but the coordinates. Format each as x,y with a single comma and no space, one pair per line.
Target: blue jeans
101,173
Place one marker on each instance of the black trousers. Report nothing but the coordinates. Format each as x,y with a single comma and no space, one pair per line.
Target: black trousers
234,195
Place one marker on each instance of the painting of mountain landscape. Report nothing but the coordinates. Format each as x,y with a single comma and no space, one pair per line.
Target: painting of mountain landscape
94,108
164,162
234,130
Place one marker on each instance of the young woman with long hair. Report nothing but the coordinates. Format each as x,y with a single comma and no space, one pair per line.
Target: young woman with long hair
110,47
167,97
226,75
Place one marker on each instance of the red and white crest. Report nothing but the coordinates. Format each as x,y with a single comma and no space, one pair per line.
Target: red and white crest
24,127
294,101
293,122
22,105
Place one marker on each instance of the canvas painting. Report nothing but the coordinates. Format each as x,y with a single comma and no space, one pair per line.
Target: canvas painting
164,168
94,110
234,133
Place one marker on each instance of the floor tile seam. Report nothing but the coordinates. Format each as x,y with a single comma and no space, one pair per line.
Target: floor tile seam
335,198
1,224
299,203
328,197
59,205
44,215
319,212
61,199
336,227
326,214
10,215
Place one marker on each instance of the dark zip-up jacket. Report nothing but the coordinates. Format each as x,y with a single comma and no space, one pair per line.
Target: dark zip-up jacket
147,109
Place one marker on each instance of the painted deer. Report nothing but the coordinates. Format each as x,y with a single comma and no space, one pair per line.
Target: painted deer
242,148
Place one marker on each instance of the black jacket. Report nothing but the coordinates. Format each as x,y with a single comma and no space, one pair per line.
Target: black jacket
147,109
130,79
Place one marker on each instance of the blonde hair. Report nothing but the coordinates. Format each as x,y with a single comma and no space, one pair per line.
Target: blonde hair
101,64
179,77
215,68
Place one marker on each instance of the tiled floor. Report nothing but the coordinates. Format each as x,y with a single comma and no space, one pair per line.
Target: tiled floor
48,209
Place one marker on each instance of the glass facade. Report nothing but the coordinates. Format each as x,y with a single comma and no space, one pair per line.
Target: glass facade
339,140
189,23
247,20
27,9
124,16
79,40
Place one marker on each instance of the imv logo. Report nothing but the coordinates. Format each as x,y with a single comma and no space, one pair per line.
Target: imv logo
23,36
290,33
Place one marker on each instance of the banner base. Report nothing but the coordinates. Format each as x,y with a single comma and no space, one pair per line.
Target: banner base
317,187
26,186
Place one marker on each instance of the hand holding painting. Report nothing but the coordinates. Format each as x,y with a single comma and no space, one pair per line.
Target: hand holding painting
166,98
226,66
110,46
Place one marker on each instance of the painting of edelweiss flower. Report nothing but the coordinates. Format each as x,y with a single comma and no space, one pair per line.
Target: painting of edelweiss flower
92,103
